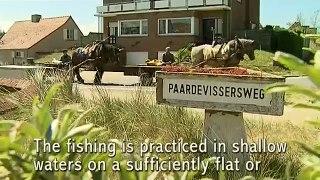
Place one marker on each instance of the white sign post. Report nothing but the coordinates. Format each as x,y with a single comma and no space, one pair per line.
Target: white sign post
224,98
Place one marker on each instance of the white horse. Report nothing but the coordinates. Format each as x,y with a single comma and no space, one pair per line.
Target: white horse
229,54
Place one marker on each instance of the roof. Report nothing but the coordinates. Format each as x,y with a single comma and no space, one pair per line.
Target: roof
295,25
25,34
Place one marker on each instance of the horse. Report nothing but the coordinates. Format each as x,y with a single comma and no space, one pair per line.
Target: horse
97,55
223,55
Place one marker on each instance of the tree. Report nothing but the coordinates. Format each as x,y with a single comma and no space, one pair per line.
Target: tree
296,26
2,33
299,19
314,18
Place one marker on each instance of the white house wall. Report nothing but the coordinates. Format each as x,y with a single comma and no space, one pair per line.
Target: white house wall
135,58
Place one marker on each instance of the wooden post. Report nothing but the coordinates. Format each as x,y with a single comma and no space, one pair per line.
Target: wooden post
227,128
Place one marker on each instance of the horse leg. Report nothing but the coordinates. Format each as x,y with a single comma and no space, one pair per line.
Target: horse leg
98,76
77,73
101,72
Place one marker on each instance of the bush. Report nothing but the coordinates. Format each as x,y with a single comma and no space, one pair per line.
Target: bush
288,42
268,28
19,153
184,54
311,165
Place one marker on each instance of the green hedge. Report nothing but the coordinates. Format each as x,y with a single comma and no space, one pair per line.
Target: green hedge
288,42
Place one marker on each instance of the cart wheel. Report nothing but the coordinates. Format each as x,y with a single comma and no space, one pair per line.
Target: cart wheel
146,79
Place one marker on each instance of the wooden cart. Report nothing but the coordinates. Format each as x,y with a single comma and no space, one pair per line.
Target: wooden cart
144,71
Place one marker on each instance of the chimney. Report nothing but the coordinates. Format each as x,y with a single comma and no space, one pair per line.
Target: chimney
35,18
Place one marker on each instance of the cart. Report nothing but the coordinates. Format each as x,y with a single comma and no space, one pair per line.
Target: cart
144,71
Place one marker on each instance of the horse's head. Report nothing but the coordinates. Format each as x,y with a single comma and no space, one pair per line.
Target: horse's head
248,47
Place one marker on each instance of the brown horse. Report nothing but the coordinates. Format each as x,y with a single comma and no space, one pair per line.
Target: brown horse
97,56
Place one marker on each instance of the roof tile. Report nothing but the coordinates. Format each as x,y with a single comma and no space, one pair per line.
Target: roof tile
25,34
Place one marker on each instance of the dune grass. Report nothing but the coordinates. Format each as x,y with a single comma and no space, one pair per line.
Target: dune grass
137,119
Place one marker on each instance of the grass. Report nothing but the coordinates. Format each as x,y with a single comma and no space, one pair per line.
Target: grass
137,119
49,57
264,62
291,99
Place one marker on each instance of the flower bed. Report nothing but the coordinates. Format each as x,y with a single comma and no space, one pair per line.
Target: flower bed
220,71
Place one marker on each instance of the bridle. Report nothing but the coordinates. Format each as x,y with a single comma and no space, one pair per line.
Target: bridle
238,49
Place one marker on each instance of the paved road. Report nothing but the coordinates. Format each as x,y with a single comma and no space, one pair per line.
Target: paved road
126,91
119,78
302,81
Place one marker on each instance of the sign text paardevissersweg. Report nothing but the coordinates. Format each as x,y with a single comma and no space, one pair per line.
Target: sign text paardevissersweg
216,91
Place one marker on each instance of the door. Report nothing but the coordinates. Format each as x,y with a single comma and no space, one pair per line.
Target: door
207,27
136,58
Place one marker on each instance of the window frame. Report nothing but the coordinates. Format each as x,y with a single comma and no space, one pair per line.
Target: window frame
192,32
133,35
71,34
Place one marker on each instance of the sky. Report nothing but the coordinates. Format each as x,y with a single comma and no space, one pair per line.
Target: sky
273,12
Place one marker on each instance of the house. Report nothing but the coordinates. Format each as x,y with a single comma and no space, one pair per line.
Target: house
297,27
31,38
145,28
92,36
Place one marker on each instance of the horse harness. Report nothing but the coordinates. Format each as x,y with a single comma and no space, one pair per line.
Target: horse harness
238,49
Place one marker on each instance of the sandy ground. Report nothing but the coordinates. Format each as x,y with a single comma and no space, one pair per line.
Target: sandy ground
293,115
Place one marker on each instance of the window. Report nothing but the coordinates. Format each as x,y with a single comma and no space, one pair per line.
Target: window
133,27
176,26
113,29
19,54
70,34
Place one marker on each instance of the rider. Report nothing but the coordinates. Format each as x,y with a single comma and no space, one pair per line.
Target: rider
65,58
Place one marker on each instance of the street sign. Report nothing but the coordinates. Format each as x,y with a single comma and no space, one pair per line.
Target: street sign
223,93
